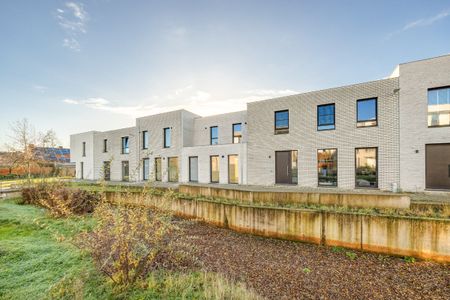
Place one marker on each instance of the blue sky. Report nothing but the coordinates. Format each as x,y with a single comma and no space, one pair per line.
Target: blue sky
84,65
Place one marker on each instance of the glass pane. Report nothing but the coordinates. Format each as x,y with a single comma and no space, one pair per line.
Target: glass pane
366,167
214,168
158,169
145,167
439,107
367,110
327,167
145,140
282,119
294,165
193,169
233,169
167,137
125,171
237,133
173,169
214,135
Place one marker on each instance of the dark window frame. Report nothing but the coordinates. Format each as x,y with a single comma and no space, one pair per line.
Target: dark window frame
143,169
189,159
356,165
123,144
210,168
433,89
334,117
233,131
83,149
144,134
283,130
337,169
229,181
376,113
211,136
165,139
105,145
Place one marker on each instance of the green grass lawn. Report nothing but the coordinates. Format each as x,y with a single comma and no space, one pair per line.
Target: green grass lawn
38,260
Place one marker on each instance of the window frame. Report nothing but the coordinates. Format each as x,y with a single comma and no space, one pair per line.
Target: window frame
356,165
143,169
83,150
165,138
210,168
432,89
238,177
363,121
123,144
211,136
168,169
105,145
233,131
284,130
158,178
189,160
337,169
145,137
125,178
334,117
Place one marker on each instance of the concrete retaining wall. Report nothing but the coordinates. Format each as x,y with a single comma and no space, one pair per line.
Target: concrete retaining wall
317,198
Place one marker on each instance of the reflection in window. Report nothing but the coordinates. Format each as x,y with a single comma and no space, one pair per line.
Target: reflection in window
167,138
327,167
144,139
294,166
173,169
325,117
214,168
145,168
237,133
439,107
366,112
282,122
233,169
366,167
158,170
214,133
125,145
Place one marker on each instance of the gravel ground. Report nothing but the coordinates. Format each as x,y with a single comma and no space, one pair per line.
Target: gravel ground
278,269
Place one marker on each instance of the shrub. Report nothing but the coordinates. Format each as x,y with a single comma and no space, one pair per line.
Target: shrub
129,241
60,200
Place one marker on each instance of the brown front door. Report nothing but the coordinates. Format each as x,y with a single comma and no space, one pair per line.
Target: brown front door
438,166
283,167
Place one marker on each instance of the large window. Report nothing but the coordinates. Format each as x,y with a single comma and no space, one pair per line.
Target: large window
173,169
325,117
125,170
214,168
125,145
105,145
237,133
233,169
439,107
144,140
145,168
327,167
282,121
158,170
214,135
84,149
366,110
167,137
366,167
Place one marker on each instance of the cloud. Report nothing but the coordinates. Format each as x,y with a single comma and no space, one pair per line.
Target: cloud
73,20
40,88
197,101
421,23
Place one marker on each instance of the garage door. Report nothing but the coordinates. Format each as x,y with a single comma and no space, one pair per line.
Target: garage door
438,166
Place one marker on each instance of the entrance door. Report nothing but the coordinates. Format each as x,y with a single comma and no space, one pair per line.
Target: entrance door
438,166
283,166
193,168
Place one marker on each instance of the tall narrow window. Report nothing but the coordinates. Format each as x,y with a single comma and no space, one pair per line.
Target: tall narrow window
144,139
158,170
167,138
193,168
145,168
125,170
366,110
439,107
237,133
325,117
327,167
214,168
125,145
233,169
81,170
105,145
173,169
282,122
366,167
84,149
214,135
107,170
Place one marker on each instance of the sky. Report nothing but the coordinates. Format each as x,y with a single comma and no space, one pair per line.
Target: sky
99,64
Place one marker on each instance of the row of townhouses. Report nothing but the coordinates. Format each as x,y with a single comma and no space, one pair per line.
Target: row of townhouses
384,134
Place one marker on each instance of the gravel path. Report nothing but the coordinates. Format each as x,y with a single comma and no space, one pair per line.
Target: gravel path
278,269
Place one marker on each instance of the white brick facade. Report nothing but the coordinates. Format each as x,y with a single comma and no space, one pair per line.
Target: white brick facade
400,135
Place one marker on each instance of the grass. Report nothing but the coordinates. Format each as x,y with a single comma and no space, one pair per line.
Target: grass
38,260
